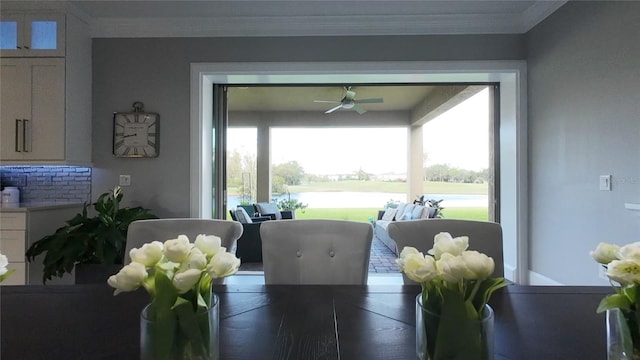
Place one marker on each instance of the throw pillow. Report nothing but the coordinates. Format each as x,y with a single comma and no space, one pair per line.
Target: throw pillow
242,216
400,210
406,216
418,212
389,214
269,208
408,209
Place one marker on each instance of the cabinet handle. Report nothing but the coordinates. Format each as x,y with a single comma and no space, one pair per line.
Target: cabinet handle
26,47
26,135
18,137
19,47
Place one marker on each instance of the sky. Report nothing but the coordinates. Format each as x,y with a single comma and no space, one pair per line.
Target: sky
458,138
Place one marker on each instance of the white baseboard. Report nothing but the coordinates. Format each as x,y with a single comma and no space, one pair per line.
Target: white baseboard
539,279
510,273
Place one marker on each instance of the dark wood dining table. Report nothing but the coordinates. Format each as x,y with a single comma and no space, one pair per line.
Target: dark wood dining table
297,322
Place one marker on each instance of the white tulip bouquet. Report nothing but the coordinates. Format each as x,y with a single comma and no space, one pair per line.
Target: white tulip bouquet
178,275
622,264
4,271
456,287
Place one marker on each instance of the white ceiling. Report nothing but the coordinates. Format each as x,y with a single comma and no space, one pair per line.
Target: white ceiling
183,18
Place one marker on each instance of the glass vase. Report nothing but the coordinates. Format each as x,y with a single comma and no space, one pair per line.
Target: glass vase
439,338
623,335
191,337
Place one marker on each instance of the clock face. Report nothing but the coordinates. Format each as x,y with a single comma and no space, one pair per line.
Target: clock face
135,134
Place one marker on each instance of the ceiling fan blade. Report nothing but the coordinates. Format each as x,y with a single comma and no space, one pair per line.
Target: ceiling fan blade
333,109
327,101
359,109
369,101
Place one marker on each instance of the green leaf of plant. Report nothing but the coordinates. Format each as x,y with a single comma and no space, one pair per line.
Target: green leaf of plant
486,289
190,327
614,301
7,274
164,319
98,239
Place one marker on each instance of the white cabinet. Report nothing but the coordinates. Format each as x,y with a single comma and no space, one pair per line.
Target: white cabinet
21,227
33,114
46,101
24,35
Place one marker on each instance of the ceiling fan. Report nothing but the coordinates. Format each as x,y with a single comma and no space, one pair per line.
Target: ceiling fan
349,102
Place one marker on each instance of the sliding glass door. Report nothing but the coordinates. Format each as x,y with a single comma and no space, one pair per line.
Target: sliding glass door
219,149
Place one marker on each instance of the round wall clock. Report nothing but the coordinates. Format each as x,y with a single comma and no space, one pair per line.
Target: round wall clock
135,134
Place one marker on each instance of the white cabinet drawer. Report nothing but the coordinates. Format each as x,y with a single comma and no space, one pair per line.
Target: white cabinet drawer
19,276
12,244
13,221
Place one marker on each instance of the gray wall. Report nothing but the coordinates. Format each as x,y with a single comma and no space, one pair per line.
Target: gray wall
156,72
584,121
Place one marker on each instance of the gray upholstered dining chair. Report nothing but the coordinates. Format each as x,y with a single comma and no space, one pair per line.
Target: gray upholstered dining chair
144,231
484,237
317,251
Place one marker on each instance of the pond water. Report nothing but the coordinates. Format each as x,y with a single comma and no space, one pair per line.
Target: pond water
351,199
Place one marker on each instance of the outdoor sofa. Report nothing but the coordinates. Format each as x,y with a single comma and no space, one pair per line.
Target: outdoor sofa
403,212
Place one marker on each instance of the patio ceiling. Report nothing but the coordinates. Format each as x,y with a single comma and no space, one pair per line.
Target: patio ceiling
301,98
423,102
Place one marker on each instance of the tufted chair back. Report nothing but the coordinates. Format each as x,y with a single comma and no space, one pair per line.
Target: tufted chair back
316,251
484,237
144,231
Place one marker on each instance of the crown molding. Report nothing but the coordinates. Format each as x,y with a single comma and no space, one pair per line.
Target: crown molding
306,26
114,19
539,11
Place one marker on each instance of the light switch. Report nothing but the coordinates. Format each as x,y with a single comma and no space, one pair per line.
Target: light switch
125,180
605,182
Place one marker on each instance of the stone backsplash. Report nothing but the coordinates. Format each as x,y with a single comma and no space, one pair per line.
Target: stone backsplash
49,183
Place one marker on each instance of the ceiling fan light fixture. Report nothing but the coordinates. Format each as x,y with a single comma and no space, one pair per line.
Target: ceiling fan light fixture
349,102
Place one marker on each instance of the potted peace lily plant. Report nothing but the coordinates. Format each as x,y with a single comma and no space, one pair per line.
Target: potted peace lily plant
622,264
92,243
181,322
453,319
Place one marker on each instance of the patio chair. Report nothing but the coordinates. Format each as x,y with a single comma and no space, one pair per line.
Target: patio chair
271,210
316,251
144,231
484,237
241,215
249,247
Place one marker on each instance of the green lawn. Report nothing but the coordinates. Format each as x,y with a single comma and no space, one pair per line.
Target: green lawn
363,214
360,214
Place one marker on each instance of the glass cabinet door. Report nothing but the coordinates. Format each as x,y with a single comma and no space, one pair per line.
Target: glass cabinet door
32,35
10,32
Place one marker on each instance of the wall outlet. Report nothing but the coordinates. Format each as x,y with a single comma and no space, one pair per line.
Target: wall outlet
605,182
125,180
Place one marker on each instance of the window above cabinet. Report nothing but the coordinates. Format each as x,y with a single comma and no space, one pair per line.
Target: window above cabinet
32,35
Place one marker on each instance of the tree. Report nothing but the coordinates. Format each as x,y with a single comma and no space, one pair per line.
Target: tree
291,173
446,173
241,174
362,175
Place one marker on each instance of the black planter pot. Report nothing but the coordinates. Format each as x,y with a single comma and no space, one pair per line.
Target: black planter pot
95,273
